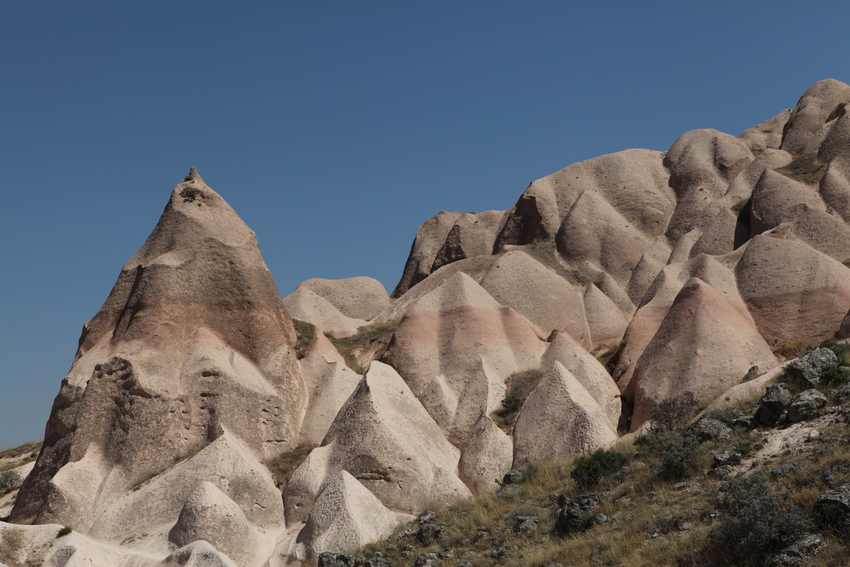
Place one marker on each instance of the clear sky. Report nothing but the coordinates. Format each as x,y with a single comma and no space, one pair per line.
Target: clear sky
335,129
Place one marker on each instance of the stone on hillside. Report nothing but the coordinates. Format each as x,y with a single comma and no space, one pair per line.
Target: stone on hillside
806,405
773,405
813,367
832,509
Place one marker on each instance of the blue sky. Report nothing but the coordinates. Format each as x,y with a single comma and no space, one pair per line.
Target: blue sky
335,128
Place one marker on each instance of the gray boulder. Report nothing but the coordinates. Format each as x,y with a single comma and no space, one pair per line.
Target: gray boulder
797,553
335,560
710,429
806,405
832,509
773,404
811,368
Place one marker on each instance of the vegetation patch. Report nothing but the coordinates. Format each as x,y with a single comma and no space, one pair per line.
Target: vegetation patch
9,481
12,458
661,501
368,343
305,337
518,388
285,464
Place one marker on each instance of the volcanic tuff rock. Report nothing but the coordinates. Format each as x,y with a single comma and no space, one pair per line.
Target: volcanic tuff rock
685,271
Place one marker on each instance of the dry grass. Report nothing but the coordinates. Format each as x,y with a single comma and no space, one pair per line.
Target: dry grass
11,458
652,523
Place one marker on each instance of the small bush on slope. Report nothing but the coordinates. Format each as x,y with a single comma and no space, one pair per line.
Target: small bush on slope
674,452
9,481
649,522
755,524
589,470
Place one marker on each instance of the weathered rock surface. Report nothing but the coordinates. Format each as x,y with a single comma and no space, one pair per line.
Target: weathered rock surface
358,297
445,238
705,345
456,347
190,342
346,515
385,439
692,271
560,419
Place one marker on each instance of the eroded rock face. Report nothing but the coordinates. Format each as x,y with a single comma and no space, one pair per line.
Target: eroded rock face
190,355
445,238
456,347
686,271
560,419
385,439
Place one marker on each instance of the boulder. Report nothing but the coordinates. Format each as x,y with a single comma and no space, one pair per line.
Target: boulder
832,509
806,405
813,367
773,405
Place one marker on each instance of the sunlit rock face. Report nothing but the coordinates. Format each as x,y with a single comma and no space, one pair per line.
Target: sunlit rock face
196,427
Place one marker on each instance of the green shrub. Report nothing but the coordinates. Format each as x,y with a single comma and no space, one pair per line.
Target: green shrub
673,414
680,458
9,481
755,523
589,470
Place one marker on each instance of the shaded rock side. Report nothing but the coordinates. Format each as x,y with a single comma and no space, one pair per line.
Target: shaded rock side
445,238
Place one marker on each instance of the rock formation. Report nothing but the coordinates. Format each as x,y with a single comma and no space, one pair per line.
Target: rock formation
197,427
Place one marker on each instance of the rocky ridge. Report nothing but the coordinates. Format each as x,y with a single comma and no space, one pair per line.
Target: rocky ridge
513,337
